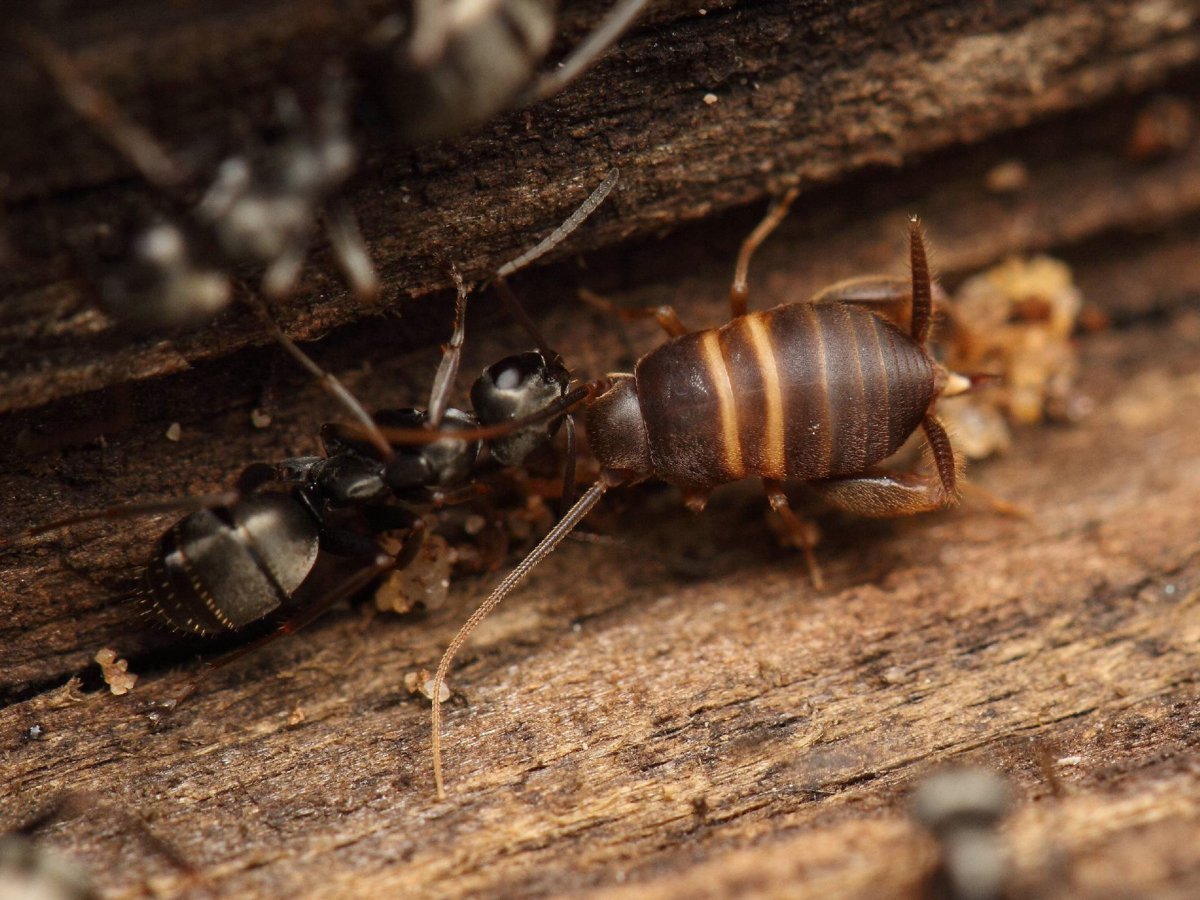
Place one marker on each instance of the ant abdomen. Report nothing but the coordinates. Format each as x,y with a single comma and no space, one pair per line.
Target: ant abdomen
220,569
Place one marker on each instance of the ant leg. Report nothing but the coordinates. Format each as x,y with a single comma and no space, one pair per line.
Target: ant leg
284,271
447,371
351,250
739,293
83,805
326,379
664,315
101,112
583,57
803,534
880,494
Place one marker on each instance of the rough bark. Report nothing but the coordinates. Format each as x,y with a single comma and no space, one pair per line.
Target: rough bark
806,94
683,715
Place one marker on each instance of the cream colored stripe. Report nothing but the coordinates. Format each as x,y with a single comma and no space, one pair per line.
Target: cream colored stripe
822,430
730,439
775,465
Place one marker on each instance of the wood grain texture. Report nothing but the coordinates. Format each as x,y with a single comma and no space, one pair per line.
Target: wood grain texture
624,730
806,94
679,715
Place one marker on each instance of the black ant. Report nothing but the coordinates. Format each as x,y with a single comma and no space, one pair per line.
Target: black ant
964,808
29,870
261,208
443,67
241,555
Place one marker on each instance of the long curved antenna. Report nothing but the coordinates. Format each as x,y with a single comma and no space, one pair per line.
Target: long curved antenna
541,248
552,539
583,57
559,234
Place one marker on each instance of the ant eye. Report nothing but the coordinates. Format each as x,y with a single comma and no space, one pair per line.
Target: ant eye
508,379
512,372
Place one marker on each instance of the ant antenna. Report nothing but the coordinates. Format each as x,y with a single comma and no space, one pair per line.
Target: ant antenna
514,578
560,233
540,249
328,381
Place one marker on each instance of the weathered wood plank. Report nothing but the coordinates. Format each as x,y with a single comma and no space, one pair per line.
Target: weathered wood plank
805,94
726,722
684,715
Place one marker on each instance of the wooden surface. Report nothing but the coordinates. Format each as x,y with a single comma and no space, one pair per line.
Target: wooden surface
806,93
632,732
679,715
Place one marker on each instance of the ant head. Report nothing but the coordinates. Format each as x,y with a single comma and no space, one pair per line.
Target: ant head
513,388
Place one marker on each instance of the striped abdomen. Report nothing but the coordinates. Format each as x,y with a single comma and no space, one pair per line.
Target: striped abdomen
801,391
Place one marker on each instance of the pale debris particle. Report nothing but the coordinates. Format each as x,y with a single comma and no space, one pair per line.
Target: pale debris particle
295,717
1007,177
1015,321
896,675
710,99
69,694
174,432
1069,761
422,583
421,682
115,671
259,419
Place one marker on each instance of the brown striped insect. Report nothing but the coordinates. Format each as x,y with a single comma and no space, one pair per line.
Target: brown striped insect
818,391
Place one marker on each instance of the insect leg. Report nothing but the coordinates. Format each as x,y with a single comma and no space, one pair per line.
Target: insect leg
880,494
443,381
106,118
284,271
327,380
583,57
664,315
803,534
350,249
739,293
83,805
